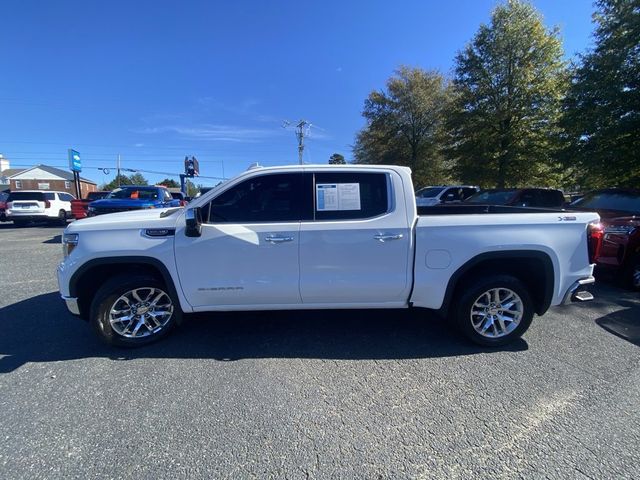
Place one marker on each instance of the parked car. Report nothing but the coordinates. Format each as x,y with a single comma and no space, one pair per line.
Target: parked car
132,197
26,206
520,197
322,237
181,197
3,206
430,196
619,211
79,207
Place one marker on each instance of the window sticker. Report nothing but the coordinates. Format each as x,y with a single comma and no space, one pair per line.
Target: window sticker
337,196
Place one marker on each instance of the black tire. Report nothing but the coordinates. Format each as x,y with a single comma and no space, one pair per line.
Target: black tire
62,218
107,298
475,290
632,274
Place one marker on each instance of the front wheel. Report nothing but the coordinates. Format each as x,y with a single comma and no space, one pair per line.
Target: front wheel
493,311
130,311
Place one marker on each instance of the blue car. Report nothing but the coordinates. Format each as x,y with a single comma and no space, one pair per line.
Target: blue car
132,197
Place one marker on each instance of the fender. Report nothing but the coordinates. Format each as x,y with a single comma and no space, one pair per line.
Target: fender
542,302
140,260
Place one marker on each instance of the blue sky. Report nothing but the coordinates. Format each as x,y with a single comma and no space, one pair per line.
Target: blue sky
154,81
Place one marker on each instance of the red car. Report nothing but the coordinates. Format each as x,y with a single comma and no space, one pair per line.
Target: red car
79,207
3,206
619,248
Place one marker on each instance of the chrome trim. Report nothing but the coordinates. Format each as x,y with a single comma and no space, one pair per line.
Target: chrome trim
568,296
72,304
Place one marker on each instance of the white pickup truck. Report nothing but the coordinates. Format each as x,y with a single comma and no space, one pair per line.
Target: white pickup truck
322,237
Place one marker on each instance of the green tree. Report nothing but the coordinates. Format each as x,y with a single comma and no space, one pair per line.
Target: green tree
337,159
603,105
405,124
191,188
509,82
169,183
135,179
138,179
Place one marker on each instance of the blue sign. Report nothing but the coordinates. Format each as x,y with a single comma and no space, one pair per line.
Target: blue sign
75,164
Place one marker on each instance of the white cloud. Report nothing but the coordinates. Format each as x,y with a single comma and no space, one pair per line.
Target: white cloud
218,133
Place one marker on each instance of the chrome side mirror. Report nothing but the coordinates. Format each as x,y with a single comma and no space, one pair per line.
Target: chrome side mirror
193,218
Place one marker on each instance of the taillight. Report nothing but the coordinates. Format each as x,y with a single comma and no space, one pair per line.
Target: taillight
47,204
595,234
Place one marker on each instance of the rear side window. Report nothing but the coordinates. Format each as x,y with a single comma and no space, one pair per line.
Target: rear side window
38,196
350,195
266,198
49,196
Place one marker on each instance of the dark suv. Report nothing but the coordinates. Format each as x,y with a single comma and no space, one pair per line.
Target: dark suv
619,250
519,197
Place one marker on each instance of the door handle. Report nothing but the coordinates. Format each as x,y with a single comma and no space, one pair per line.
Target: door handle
383,237
278,239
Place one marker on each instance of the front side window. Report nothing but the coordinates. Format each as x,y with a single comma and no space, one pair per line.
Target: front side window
350,195
266,198
50,196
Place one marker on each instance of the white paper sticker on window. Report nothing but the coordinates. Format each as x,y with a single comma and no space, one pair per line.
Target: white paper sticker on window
337,196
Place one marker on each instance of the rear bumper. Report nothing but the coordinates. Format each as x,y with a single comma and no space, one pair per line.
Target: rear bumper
578,292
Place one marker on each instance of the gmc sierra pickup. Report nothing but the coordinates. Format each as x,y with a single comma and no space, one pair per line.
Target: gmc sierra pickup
321,237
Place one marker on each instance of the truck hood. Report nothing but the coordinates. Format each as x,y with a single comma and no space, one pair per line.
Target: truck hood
150,218
122,203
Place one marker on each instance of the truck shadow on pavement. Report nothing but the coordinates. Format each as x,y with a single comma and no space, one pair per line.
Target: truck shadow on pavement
39,329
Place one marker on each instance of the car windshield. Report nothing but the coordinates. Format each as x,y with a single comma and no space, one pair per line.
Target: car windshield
492,197
134,193
621,201
13,196
429,192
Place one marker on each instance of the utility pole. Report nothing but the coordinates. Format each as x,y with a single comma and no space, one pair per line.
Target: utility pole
118,175
301,128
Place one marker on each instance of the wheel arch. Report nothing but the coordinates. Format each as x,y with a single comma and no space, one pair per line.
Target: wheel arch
90,276
533,268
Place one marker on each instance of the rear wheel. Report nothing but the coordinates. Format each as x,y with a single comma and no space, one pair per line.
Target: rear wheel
493,311
633,275
129,311
62,218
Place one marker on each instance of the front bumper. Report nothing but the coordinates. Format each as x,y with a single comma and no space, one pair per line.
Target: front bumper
72,304
576,292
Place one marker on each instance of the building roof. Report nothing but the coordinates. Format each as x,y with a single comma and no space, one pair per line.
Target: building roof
64,174
11,171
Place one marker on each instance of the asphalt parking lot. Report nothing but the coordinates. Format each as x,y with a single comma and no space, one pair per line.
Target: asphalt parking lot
356,394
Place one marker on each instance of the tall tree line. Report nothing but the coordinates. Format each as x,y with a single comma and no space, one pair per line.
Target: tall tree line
514,112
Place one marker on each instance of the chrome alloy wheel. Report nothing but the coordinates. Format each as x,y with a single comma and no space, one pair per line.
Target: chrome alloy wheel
635,276
140,312
497,312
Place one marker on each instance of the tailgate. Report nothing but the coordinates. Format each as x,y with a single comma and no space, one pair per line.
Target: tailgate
26,206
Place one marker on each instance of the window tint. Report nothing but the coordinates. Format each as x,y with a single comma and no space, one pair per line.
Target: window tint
350,195
428,192
623,201
65,197
467,192
267,198
13,196
49,196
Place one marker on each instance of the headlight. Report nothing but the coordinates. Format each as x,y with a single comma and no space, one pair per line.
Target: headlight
620,229
69,242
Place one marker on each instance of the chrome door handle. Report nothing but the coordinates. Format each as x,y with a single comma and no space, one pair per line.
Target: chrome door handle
384,237
277,239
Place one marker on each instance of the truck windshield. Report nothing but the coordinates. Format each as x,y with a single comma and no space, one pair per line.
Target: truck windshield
429,192
492,197
621,201
134,193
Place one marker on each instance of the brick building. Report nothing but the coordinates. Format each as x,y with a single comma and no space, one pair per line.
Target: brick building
43,177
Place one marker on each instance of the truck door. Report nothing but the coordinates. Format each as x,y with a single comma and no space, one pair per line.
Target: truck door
356,249
248,251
